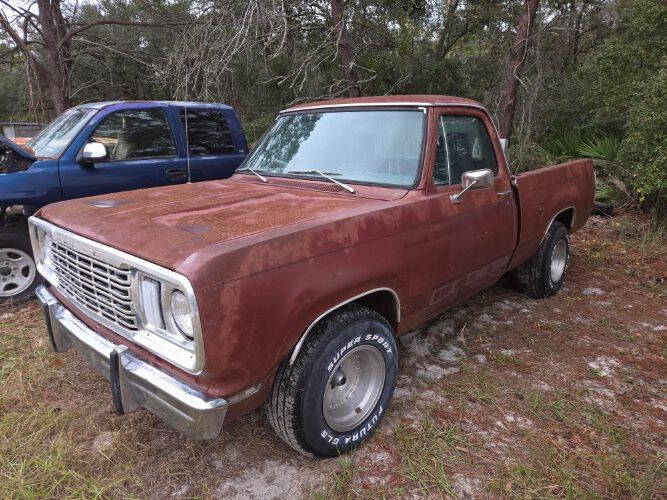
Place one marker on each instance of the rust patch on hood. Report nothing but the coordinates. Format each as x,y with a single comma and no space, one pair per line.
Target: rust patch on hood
166,225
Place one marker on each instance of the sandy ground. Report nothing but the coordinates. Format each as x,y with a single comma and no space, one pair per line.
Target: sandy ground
502,396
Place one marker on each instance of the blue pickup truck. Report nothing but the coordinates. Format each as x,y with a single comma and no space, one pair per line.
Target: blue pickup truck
104,148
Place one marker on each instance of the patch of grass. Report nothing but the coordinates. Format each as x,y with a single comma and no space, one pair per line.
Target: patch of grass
471,384
640,238
507,359
545,473
555,326
339,483
428,448
572,299
624,333
578,451
546,407
39,460
555,471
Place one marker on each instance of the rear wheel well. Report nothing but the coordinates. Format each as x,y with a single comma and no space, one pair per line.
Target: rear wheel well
15,215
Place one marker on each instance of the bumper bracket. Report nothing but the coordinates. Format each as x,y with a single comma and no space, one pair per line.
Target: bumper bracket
134,383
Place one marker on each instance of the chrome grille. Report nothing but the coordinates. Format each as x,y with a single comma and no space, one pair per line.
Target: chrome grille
98,287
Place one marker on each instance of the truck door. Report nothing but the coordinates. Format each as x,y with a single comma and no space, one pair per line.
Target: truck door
216,146
474,239
141,153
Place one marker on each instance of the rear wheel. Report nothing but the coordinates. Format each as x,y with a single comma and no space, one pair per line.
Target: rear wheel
544,273
18,273
336,392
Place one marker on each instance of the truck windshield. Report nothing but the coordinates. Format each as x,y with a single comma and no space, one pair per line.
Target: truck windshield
52,140
367,147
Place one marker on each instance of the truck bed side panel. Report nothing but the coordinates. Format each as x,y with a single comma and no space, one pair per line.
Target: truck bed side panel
545,193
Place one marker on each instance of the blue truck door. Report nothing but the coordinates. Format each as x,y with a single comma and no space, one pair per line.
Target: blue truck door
141,152
217,144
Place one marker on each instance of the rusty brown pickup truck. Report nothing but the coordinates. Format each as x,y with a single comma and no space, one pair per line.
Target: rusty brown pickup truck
352,222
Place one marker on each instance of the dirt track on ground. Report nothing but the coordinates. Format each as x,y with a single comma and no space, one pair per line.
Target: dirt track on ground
502,396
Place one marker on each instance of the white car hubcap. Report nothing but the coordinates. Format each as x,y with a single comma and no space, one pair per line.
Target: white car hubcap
558,261
17,271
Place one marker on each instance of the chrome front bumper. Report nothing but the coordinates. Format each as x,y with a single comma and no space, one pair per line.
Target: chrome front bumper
134,383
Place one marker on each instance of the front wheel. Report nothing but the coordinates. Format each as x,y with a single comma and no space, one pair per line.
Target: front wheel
18,273
334,395
544,273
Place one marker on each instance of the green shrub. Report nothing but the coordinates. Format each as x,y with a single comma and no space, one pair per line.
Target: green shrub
528,155
644,151
604,148
566,144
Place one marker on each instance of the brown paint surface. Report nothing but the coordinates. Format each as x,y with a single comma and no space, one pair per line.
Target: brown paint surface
265,260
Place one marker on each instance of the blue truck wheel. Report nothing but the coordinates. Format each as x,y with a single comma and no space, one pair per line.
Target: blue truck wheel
18,273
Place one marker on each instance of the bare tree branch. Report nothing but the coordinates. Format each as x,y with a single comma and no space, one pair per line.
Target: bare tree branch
120,22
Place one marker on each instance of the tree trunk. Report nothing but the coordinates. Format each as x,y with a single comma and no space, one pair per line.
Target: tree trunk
515,65
350,73
446,35
56,78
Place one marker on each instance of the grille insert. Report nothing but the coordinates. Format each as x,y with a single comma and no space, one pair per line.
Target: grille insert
98,287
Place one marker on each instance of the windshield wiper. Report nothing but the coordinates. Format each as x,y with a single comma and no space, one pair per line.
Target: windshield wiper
260,176
326,175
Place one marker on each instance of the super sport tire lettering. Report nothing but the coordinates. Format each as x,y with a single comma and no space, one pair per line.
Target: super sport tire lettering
295,406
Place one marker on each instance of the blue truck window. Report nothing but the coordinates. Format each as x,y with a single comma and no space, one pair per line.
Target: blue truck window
208,132
55,137
133,134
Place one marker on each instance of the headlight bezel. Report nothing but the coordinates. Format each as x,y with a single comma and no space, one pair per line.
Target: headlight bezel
172,315
166,342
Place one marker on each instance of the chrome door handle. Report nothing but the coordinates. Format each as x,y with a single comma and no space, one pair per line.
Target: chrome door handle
176,173
505,193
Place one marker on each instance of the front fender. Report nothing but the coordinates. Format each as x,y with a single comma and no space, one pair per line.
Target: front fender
250,325
36,186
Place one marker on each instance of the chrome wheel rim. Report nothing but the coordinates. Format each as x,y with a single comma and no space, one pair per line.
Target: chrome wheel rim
17,271
558,260
353,388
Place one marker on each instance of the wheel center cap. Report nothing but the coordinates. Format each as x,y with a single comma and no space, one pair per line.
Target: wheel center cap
338,379
5,271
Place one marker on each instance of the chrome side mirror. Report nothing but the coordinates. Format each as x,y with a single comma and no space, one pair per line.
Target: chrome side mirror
92,152
473,179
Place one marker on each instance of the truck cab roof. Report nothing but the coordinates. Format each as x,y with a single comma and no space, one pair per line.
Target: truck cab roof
387,100
105,104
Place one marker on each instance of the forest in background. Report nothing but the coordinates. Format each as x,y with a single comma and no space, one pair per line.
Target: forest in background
589,76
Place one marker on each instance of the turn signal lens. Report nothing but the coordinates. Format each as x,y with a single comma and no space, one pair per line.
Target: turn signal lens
150,300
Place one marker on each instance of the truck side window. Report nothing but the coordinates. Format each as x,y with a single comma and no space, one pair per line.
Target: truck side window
208,132
441,167
469,146
133,134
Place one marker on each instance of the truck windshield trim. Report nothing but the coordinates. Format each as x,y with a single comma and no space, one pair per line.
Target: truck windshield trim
54,139
356,146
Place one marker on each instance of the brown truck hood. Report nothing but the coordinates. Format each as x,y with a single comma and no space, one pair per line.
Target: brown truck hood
167,225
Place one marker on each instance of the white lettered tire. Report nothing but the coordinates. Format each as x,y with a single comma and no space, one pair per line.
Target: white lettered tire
335,394
544,274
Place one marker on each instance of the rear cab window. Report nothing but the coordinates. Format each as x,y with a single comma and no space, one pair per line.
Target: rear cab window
208,132
463,144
